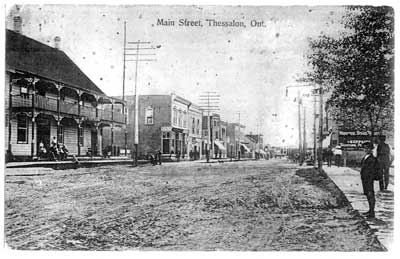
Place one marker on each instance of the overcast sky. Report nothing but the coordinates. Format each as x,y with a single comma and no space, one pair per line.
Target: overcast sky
249,67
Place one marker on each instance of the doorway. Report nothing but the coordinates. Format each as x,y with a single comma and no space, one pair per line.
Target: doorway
42,132
93,141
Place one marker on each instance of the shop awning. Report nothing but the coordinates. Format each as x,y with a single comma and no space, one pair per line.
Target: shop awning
245,147
219,145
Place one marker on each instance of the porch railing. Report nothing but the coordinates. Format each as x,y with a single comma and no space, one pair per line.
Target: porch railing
88,112
68,107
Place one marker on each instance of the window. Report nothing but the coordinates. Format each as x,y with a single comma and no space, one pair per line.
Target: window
61,134
193,125
184,119
180,118
175,116
198,127
22,128
215,123
149,115
80,131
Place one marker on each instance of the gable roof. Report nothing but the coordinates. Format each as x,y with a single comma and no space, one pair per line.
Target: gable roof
29,55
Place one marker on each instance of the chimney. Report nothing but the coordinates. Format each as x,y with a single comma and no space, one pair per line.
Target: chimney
57,42
17,23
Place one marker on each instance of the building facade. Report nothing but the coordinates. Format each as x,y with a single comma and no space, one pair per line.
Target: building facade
195,139
217,146
47,97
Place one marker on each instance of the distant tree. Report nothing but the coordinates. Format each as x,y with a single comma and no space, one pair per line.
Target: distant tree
357,69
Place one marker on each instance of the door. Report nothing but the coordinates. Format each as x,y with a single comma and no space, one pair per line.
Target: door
93,142
43,132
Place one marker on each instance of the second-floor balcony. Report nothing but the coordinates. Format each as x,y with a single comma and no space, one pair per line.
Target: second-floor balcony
66,107
88,112
69,107
118,117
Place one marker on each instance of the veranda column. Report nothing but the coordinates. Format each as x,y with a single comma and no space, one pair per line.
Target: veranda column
79,122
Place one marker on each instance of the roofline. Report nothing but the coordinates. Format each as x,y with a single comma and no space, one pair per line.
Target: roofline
11,69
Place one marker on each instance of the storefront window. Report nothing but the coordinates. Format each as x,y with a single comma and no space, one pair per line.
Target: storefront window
165,142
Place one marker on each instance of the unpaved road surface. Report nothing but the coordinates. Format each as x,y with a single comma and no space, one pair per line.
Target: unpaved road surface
254,205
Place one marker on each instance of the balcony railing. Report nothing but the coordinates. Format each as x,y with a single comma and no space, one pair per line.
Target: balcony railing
20,101
88,112
68,107
45,103
50,104
118,117
106,115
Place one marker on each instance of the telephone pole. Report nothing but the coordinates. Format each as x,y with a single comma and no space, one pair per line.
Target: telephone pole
209,102
137,47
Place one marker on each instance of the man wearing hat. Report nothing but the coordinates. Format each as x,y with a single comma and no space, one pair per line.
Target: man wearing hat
369,169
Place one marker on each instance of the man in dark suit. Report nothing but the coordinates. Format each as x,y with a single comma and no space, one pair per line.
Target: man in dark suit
383,156
369,169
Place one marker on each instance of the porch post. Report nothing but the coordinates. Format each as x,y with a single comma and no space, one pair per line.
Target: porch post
112,119
99,140
58,113
33,120
79,136
79,121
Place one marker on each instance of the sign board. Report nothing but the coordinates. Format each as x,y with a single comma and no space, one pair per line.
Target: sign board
353,140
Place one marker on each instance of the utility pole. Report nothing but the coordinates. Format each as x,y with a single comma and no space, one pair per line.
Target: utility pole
238,151
209,101
123,92
304,133
321,121
315,127
137,47
299,122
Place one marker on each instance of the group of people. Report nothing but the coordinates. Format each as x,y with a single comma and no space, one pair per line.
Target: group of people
56,151
375,167
155,158
333,153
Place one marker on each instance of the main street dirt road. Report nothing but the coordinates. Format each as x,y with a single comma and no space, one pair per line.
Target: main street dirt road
254,205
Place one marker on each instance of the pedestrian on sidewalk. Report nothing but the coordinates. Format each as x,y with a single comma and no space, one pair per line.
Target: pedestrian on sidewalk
383,156
329,156
369,172
338,155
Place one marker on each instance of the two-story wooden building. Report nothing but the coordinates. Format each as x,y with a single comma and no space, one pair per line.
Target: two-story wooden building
47,95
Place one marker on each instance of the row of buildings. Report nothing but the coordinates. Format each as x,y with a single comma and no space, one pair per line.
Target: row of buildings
48,98
176,126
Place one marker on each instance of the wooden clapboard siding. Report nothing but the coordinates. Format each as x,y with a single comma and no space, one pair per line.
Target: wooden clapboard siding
17,148
86,139
6,107
71,139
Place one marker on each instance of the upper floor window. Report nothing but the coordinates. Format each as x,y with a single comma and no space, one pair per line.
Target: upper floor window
180,118
149,115
175,116
184,119
198,127
22,128
193,125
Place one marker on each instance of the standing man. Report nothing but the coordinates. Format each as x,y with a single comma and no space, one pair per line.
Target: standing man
159,157
383,155
369,170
